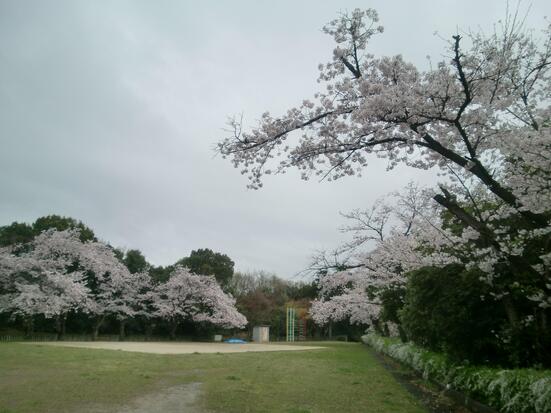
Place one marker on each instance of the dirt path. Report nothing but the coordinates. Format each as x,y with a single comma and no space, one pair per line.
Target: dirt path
177,348
172,400
176,399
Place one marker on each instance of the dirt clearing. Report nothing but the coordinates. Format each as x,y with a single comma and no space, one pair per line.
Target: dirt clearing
178,348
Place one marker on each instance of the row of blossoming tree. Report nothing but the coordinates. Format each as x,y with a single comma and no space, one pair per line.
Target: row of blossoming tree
58,273
482,117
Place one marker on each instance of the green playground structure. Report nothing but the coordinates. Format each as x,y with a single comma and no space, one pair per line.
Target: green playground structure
296,323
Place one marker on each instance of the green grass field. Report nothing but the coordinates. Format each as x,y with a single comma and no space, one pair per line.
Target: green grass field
342,378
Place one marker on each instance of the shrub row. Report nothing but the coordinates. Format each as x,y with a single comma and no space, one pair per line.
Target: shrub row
508,391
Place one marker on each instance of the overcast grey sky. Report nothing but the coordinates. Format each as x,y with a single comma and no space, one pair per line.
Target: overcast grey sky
109,112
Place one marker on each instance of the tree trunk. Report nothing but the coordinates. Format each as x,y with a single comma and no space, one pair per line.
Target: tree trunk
386,331
173,328
330,330
317,333
122,332
377,326
511,311
149,330
29,326
97,325
60,326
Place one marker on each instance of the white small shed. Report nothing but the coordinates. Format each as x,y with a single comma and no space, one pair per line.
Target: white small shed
261,334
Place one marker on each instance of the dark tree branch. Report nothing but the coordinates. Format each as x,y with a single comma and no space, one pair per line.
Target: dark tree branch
288,130
477,169
350,66
449,202
487,235
468,96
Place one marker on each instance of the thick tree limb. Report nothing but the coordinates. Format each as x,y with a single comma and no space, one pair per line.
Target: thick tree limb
349,66
447,201
477,169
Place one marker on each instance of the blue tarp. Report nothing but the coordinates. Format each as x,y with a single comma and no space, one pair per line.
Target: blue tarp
235,341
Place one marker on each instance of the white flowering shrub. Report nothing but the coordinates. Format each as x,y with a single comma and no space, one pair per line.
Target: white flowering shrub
508,391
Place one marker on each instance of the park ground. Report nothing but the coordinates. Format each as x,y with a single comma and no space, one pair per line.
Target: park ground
340,377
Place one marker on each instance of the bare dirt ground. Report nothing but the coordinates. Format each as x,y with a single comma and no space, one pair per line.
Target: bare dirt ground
179,348
176,399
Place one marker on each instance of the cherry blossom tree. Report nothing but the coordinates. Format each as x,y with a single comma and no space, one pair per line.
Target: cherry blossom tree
57,273
492,95
385,246
199,298
123,296
115,292
481,116
146,303
38,278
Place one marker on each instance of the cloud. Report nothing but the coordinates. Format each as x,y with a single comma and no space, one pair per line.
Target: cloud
110,112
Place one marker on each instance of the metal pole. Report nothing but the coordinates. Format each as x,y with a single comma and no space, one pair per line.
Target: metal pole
287,320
